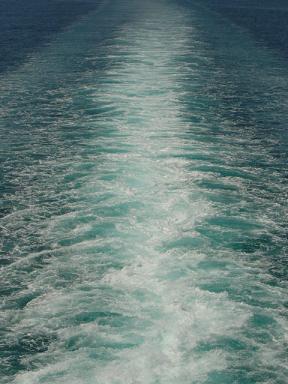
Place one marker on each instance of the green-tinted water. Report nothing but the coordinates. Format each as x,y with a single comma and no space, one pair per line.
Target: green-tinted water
144,203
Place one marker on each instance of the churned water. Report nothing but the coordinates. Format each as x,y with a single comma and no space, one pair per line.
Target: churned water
144,154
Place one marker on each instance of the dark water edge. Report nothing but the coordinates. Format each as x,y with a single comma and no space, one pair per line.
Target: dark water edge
265,20
28,25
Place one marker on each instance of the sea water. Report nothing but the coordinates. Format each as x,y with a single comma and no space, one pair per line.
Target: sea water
144,155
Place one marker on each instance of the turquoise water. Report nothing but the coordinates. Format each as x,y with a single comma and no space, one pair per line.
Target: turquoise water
143,203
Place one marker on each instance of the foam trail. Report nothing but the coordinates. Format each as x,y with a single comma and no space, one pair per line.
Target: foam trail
130,284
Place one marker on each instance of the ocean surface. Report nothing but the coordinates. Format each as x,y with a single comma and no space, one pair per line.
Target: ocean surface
143,192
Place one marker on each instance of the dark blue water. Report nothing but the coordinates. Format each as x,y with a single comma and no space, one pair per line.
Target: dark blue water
265,20
143,192
28,25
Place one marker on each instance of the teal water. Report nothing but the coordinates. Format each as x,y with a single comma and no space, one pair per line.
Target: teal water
144,227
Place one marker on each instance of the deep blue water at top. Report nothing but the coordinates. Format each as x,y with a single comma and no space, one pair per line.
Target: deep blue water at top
26,25
266,20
